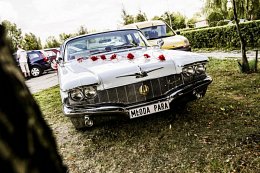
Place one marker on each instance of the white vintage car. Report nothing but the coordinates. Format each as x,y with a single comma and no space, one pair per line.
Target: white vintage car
119,73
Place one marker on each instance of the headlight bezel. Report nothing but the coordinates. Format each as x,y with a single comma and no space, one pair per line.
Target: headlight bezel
90,92
193,69
73,92
200,68
83,93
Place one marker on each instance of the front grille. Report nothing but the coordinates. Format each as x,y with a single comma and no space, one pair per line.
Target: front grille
129,94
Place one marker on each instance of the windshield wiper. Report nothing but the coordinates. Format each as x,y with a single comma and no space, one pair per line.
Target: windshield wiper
124,46
93,52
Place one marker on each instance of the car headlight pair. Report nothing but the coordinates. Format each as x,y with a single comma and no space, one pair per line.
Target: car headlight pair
194,69
79,94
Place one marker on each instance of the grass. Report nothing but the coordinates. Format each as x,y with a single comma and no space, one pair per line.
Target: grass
218,133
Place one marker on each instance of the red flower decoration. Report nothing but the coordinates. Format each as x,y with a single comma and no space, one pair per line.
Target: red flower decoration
103,57
162,57
113,57
94,58
147,56
130,56
80,59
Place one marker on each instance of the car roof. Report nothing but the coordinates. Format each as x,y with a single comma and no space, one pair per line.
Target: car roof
145,24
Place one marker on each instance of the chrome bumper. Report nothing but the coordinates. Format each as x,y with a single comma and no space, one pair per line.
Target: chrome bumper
181,92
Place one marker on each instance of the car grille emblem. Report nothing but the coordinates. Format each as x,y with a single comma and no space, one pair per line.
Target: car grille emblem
144,90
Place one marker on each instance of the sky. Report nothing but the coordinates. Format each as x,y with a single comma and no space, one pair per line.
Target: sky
52,17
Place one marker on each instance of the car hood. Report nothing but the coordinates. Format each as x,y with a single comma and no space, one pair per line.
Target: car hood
170,42
122,71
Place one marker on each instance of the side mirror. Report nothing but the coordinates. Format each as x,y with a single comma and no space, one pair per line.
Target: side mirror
178,32
58,58
160,43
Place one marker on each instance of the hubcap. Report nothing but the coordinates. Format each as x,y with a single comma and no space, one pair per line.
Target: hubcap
35,72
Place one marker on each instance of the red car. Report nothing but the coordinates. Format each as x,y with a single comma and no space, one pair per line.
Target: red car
52,55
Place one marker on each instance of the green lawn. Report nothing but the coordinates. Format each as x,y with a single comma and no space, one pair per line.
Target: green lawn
218,133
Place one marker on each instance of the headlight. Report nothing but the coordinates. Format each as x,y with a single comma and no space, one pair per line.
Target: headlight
188,71
76,95
90,92
200,68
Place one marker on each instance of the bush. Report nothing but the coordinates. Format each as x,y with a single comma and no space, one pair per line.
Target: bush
224,36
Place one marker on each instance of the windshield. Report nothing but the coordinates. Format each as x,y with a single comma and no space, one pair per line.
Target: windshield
159,31
103,43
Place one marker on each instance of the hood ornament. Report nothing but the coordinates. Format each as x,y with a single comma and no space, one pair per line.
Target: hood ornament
141,73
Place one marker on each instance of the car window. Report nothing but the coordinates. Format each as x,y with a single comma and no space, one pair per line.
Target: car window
50,53
154,32
103,42
33,55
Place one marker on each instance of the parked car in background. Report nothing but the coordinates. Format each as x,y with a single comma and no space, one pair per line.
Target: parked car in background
156,30
52,55
119,73
38,62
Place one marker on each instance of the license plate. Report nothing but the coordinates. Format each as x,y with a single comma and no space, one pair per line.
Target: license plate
150,109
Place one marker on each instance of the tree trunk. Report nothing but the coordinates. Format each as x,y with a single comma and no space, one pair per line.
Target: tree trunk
244,66
26,142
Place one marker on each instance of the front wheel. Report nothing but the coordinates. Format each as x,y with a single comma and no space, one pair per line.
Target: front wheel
36,71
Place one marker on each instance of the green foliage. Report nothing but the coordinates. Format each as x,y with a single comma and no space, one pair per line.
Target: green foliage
127,18
222,23
246,9
156,18
214,17
225,36
81,31
175,20
51,42
140,17
64,37
191,22
14,34
31,42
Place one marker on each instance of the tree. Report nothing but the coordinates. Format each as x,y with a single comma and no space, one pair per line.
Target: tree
63,37
127,19
191,22
140,17
246,9
244,66
51,42
31,42
156,18
175,20
179,21
214,17
26,141
14,34
81,31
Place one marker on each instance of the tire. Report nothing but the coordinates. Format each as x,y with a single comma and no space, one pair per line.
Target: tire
36,71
